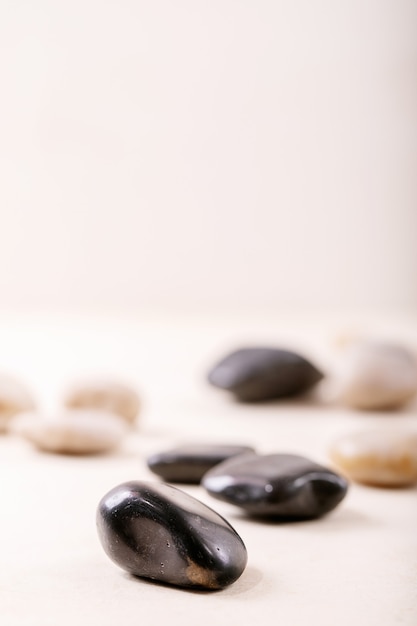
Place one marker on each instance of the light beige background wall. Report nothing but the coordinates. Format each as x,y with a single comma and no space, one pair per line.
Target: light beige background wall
218,153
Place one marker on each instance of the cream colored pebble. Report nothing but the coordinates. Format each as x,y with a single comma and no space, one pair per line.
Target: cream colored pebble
376,376
14,399
72,431
383,457
108,395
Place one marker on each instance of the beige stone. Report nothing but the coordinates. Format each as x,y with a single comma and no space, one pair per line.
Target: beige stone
14,398
383,457
376,376
72,431
108,395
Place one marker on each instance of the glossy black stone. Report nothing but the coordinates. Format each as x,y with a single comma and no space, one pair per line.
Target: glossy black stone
156,531
281,486
257,374
188,464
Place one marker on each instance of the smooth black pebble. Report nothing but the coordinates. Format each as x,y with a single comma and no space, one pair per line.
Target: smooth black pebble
281,486
257,374
188,464
157,531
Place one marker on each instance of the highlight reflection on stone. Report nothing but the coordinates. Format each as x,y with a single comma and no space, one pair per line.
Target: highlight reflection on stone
189,463
156,531
258,374
281,486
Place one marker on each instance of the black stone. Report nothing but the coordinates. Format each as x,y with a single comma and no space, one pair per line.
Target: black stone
188,464
156,531
257,374
281,486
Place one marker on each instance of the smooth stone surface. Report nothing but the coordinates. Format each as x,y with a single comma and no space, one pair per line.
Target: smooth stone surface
257,374
156,531
383,457
188,464
376,376
107,395
281,486
72,432
14,398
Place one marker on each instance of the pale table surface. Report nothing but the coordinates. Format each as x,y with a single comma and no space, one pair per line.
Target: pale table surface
358,565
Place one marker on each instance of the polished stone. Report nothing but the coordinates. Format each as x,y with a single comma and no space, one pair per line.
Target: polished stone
157,531
374,375
188,464
384,457
258,374
281,486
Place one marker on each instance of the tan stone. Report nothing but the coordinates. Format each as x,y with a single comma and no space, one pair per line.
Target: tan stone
383,457
14,399
72,431
108,395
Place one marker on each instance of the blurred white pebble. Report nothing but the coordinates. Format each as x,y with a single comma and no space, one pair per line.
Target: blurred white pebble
14,398
383,457
71,431
107,395
374,375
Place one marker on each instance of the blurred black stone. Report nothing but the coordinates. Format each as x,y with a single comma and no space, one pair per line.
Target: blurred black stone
258,374
188,464
281,486
156,531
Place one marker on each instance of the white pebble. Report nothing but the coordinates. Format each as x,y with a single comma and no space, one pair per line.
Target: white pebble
14,399
383,457
108,395
376,376
72,431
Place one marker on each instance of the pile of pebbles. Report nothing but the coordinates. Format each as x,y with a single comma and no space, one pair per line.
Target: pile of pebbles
157,531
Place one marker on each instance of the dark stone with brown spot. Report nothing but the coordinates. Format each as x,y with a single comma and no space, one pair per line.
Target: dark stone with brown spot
156,531
258,374
280,486
188,464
